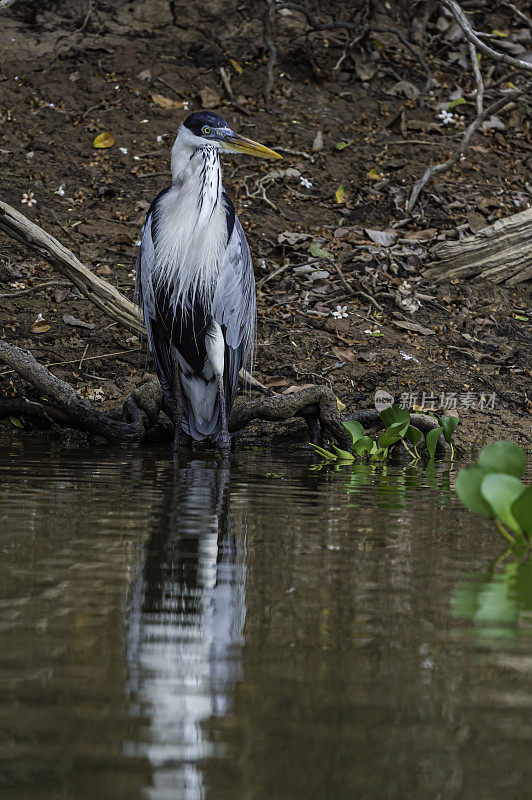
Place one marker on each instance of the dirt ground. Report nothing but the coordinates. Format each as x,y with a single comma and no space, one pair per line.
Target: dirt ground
67,75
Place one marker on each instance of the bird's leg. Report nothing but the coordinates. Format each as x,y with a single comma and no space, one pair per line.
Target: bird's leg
224,439
177,405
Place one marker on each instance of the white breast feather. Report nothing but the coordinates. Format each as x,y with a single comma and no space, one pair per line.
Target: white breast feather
191,226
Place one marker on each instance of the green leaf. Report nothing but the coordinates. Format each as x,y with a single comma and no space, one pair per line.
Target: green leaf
395,413
431,441
501,491
457,102
317,252
354,428
363,445
505,457
322,452
393,433
467,485
343,455
522,510
448,425
342,145
413,435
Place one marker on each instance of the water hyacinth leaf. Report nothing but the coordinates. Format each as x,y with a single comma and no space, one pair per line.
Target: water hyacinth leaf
364,445
393,433
343,455
501,491
322,452
522,510
318,252
505,457
431,441
413,435
103,140
395,413
354,428
467,485
448,425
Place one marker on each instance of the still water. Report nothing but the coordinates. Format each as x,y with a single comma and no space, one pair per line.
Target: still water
271,632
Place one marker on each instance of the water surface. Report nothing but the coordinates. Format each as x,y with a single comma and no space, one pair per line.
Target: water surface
271,632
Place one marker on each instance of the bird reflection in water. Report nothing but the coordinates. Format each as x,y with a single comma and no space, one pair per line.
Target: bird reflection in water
185,629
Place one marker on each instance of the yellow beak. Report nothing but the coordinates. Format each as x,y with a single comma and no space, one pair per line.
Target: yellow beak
234,143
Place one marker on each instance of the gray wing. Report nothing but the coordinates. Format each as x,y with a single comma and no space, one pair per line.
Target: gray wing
156,313
233,307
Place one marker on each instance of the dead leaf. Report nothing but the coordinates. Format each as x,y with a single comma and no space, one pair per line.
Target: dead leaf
40,325
317,144
405,88
293,238
415,327
61,294
105,139
166,102
344,354
68,319
16,422
341,194
145,75
274,381
384,238
234,63
421,236
295,389
209,98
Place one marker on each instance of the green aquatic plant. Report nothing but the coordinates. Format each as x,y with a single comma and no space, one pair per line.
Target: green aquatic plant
493,488
398,429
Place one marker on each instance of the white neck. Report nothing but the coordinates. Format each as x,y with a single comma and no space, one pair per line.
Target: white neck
192,224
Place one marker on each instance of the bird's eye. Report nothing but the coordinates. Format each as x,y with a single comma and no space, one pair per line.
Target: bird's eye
206,130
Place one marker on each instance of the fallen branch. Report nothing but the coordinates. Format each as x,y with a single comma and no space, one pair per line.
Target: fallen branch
79,412
317,403
101,293
438,169
500,253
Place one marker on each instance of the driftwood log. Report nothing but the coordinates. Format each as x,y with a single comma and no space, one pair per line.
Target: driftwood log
501,253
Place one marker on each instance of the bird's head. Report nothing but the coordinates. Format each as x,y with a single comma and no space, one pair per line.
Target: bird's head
207,129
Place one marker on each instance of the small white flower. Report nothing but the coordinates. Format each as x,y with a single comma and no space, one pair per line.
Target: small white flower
262,264
136,158
143,121
40,318
446,117
123,150
51,105
341,311
28,198
185,105
159,139
60,190
305,182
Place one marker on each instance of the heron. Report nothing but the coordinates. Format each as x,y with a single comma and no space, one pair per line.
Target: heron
195,282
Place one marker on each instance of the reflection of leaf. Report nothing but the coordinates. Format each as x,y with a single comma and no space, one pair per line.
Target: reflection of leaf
490,603
341,194
317,252
105,139
166,102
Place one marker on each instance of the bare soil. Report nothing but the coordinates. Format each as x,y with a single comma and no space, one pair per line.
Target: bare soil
66,77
